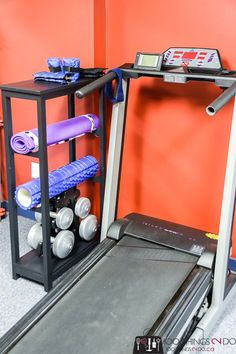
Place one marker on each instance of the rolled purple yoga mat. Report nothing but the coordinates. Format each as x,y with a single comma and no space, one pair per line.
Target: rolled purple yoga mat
27,141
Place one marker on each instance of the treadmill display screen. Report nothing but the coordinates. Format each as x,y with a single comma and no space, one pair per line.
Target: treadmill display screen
148,61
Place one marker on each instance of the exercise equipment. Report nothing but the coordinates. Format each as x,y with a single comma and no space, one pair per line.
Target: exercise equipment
59,77
62,244
27,141
148,277
116,95
88,227
65,71
92,73
71,65
221,101
54,64
66,65
28,195
65,199
193,58
63,218
82,207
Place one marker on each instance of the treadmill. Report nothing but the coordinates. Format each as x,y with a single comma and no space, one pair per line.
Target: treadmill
151,285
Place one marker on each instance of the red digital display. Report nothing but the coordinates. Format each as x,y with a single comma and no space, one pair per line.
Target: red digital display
189,55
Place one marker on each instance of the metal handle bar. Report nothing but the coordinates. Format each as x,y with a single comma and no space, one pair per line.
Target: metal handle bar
221,100
86,90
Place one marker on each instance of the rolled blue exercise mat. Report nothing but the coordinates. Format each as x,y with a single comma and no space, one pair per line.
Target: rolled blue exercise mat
27,141
28,195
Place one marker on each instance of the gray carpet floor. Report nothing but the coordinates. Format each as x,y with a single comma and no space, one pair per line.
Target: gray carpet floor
19,296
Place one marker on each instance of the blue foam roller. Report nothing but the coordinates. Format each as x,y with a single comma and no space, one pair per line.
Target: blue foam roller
28,195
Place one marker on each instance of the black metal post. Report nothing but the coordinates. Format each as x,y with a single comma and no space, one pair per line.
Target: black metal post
71,114
43,164
13,220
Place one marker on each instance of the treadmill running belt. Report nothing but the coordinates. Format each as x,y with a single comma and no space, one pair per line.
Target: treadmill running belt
116,301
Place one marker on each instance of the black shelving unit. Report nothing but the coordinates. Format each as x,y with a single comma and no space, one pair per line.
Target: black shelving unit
47,268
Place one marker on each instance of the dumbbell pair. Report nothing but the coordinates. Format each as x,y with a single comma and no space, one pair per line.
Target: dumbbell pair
88,222
63,243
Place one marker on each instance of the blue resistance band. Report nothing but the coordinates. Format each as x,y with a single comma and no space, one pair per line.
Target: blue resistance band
118,95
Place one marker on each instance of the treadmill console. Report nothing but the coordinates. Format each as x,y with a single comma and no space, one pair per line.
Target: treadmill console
188,59
179,237
193,58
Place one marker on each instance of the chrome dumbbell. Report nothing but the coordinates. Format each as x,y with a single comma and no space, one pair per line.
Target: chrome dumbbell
64,217
88,227
82,207
62,244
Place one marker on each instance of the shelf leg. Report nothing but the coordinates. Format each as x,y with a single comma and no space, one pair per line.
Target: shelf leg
43,165
71,114
11,181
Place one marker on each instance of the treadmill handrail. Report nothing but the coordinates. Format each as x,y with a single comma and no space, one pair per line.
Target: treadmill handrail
221,100
93,86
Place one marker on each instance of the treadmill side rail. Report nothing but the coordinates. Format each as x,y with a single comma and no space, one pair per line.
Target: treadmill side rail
180,312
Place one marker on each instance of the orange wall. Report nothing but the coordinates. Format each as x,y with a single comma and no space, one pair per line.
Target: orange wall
100,33
174,155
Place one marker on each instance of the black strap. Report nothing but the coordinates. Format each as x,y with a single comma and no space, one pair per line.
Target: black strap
118,95
54,69
71,69
92,73
85,72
